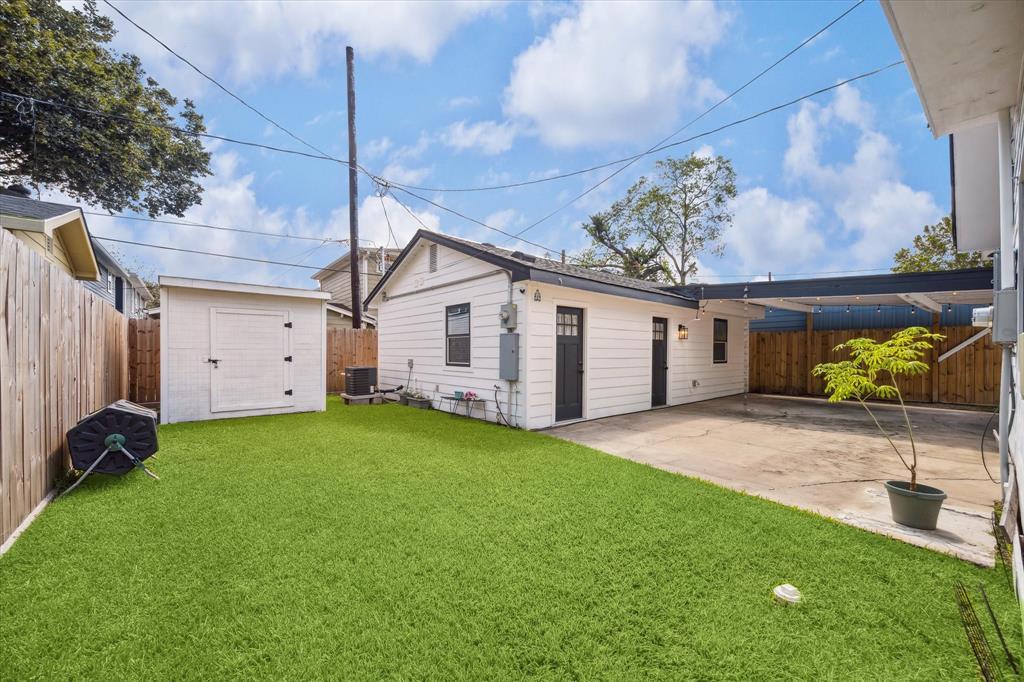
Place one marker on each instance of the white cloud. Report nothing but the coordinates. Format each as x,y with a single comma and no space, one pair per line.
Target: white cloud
325,117
610,65
877,211
772,233
373,224
503,219
487,137
255,40
377,148
704,151
462,102
403,175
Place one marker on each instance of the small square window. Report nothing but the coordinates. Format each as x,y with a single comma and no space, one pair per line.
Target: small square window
110,282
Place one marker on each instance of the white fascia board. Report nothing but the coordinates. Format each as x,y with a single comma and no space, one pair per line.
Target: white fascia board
238,287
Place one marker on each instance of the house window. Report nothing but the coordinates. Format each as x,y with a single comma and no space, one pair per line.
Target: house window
457,335
432,254
110,283
720,351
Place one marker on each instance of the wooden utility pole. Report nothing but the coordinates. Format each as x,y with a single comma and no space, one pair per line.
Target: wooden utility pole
353,194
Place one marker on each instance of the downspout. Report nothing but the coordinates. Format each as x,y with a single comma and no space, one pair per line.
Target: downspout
1004,278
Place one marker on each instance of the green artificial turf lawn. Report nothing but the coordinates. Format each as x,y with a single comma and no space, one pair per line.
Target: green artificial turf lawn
387,542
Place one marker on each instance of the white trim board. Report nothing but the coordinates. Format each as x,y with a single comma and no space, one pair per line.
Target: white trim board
239,287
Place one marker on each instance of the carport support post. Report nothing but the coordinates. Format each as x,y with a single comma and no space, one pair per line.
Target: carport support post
353,194
933,375
808,342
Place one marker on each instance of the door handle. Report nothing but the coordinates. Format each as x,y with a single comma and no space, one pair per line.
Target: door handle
214,361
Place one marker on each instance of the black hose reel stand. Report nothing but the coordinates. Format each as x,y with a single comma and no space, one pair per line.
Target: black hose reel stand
113,440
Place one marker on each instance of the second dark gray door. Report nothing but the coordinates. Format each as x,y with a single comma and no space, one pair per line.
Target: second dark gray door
659,361
568,363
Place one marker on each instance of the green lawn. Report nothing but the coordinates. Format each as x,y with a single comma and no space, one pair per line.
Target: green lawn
373,542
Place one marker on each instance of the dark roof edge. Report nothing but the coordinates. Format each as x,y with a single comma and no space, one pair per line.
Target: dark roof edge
969,279
521,272
560,279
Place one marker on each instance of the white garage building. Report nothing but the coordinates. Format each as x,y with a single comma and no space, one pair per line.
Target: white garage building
238,350
579,344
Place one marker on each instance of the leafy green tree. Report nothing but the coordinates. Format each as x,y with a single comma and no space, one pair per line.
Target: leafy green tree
933,250
59,55
612,249
671,219
873,371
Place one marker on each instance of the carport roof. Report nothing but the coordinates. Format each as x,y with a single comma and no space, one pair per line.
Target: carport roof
927,290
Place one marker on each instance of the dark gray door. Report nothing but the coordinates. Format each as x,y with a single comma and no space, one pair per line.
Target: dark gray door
659,361
568,363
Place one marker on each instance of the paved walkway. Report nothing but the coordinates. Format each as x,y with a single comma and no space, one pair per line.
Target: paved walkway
826,458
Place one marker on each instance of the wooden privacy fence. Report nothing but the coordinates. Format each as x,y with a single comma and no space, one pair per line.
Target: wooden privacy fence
144,361
63,354
781,362
348,348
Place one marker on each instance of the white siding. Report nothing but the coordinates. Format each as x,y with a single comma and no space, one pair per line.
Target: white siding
617,353
185,340
411,325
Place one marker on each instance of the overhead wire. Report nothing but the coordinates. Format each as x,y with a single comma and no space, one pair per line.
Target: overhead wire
656,146
216,82
224,228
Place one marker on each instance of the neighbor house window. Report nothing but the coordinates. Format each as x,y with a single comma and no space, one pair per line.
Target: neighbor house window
720,351
457,335
110,283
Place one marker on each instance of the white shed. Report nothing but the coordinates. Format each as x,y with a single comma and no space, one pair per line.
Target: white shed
239,350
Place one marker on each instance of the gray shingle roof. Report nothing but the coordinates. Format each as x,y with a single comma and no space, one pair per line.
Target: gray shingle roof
559,268
30,208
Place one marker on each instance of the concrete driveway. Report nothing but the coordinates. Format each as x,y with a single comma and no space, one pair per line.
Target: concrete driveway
828,459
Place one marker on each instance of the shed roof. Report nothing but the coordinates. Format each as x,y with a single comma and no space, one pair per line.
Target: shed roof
45,217
239,287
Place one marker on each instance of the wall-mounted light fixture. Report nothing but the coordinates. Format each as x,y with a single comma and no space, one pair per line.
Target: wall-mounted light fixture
683,332
536,295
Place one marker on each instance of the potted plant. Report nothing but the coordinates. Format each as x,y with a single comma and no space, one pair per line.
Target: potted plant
872,372
418,400
403,397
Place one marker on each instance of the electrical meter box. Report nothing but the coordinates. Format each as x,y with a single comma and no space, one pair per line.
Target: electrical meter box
1004,316
507,315
508,357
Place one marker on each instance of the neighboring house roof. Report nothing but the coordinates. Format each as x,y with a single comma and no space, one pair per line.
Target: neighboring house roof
140,286
23,213
108,261
343,261
524,266
347,312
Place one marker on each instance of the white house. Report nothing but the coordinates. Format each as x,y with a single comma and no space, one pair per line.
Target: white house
573,343
239,350
967,63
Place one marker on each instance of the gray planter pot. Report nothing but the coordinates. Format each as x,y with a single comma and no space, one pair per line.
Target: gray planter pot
403,399
915,508
419,403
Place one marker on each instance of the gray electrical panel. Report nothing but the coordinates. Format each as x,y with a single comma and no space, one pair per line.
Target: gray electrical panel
1004,316
508,357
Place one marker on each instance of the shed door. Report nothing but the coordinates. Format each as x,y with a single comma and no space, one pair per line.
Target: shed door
568,363
659,361
250,347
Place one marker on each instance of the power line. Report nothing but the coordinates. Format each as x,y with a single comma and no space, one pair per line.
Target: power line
127,119
216,82
719,129
474,220
635,157
281,235
211,253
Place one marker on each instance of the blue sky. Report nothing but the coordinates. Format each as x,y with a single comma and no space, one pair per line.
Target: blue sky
468,94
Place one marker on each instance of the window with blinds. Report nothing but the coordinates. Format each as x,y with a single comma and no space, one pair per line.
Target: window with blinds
720,350
457,335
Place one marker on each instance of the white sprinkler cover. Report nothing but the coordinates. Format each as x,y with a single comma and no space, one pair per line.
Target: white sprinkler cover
786,594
